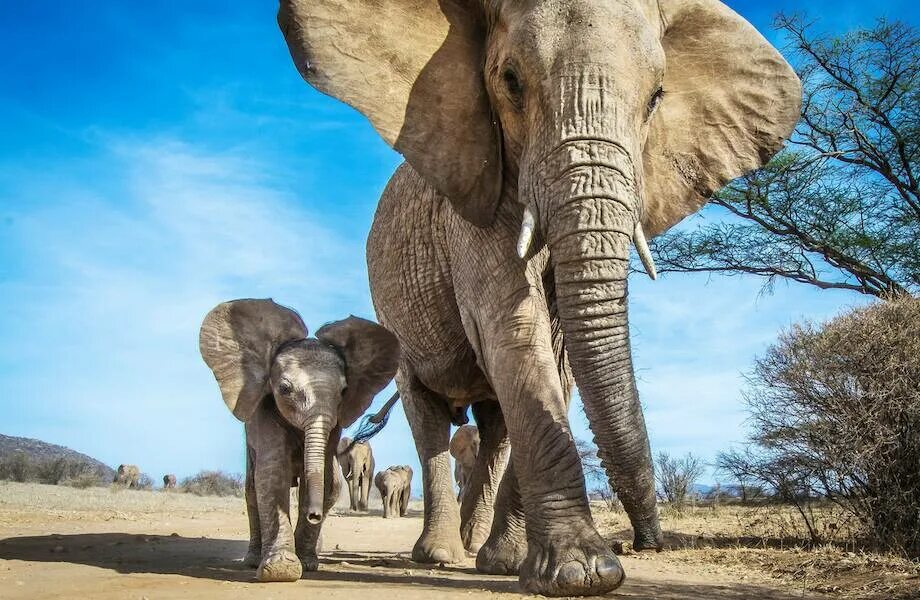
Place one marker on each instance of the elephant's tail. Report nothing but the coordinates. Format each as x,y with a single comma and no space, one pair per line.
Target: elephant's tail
373,424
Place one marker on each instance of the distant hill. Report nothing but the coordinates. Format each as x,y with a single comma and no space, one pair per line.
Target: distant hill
43,452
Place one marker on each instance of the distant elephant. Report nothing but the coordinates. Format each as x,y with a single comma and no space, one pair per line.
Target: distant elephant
169,481
128,476
358,470
464,447
542,139
294,394
395,485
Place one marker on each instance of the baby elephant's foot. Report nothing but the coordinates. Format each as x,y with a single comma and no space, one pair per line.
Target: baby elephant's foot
439,548
280,565
253,557
474,534
502,554
571,566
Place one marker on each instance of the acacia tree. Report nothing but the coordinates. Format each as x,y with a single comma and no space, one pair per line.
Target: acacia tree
840,207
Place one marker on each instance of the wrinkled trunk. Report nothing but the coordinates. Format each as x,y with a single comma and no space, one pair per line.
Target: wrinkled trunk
592,205
316,437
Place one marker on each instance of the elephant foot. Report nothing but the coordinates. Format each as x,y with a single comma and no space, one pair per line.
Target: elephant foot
571,566
309,562
432,548
281,565
647,536
253,557
474,534
502,554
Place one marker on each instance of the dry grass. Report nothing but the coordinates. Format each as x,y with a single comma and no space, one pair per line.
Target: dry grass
770,542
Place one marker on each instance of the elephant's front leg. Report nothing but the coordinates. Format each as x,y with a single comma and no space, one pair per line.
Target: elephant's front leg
308,537
480,486
273,475
430,423
254,553
566,555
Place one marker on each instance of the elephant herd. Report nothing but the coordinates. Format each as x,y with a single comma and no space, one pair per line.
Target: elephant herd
129,476
543,140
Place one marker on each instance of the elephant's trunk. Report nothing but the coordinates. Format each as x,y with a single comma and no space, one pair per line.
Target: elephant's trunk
316,438
593,205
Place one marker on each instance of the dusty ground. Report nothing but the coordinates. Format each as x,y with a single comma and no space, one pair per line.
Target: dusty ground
57,542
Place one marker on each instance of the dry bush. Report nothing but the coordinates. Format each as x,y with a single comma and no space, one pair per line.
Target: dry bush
213,483
596,482
24,468
676,477
835,412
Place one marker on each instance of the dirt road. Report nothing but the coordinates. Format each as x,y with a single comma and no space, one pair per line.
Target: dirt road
63,543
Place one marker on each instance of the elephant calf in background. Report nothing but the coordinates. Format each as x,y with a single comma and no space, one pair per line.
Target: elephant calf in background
395,485
294,394
128,476
464,447
169,481
358,469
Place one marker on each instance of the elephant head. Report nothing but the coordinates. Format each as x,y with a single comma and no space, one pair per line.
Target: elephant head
604,121
259,351
464,447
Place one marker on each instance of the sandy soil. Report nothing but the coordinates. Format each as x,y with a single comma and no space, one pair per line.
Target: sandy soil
63,543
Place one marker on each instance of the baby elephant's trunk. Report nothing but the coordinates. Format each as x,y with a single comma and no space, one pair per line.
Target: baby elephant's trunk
316,436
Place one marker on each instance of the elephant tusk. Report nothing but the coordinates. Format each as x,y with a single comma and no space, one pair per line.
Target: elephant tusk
645,255
527,226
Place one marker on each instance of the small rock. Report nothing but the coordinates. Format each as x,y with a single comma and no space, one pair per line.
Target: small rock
173,534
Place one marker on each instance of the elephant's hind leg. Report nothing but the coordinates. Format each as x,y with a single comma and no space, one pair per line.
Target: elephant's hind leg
505,550
430,423
481,485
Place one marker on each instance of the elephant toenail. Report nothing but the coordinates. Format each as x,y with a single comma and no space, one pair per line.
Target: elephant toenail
571,573
440,556
609,569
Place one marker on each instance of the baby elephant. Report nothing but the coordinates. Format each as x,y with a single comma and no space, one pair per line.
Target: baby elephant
395,485
464,447
295,395
169,481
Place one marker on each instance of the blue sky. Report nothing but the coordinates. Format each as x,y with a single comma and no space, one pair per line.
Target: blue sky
158,158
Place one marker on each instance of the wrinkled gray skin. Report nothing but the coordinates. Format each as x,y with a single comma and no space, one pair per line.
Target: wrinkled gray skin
294,395
358,470
169,481
395,486
543,139
127,475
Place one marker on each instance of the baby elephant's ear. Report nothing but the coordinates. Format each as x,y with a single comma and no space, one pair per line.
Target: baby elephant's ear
371,357
238,341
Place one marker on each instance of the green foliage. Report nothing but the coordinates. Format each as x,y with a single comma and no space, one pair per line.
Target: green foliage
840,208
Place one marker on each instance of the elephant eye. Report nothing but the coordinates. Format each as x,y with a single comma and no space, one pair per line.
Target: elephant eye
654,102
285,388
513,85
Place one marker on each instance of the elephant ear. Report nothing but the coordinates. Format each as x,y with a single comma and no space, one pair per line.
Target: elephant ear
414,69
462,438
730,101
238,341
371,356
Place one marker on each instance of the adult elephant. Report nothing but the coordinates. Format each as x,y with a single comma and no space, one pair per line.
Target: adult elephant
128,476
542,138
169,481
464,447
357,462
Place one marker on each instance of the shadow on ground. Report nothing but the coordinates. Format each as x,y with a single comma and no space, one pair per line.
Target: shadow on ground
219,560
207,558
